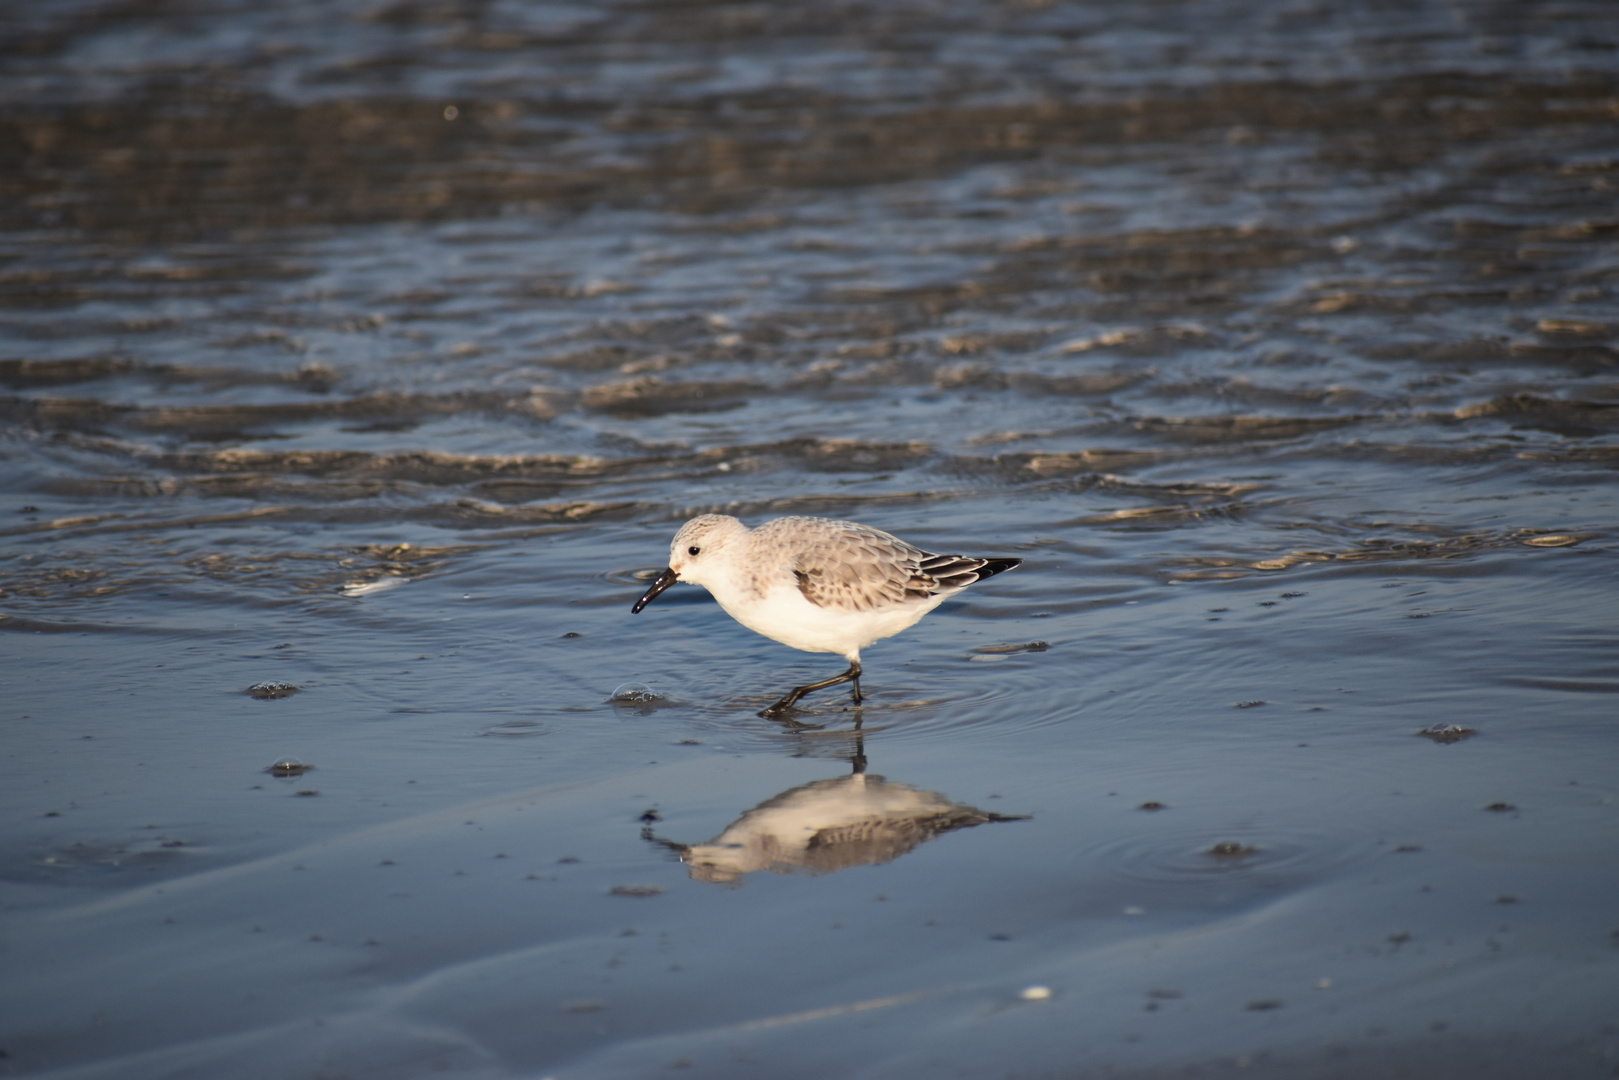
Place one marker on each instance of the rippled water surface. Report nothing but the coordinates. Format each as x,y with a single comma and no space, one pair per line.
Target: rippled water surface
369,358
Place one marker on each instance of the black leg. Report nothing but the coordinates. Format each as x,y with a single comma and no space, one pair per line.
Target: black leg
786,703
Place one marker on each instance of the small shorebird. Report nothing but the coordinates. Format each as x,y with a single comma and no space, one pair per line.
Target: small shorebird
816,584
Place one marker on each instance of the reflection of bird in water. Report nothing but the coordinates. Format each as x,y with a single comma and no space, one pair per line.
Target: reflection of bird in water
826,826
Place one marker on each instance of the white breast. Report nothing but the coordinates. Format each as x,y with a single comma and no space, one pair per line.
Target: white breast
781,613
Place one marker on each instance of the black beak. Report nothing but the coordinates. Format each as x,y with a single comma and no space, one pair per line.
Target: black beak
665,579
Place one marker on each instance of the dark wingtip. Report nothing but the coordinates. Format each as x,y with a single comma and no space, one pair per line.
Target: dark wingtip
992,567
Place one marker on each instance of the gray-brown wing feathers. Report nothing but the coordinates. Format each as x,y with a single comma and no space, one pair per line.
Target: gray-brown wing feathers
843,564
866,843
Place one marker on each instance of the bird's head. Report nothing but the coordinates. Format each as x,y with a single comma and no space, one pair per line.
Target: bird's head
693,553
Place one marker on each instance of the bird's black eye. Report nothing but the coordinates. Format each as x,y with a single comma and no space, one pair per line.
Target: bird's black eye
693,550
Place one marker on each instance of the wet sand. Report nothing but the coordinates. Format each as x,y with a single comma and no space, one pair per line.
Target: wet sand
355,372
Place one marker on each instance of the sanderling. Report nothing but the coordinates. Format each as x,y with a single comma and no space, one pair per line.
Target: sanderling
816,584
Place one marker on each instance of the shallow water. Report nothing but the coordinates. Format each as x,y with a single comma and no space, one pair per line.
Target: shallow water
380,357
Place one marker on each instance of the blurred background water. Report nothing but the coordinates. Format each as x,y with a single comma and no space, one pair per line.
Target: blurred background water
368,357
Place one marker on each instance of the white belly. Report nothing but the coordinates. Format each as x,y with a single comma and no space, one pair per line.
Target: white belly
783,615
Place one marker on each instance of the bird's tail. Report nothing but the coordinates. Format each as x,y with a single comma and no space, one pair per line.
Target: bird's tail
960,571
992,567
